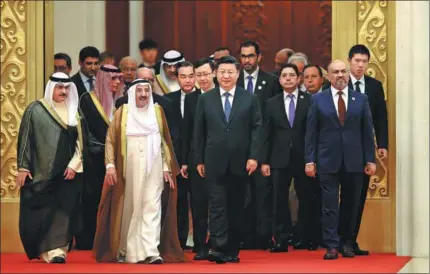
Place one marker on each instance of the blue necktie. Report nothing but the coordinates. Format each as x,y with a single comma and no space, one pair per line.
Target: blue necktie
91,82
291,110
227,106
250,86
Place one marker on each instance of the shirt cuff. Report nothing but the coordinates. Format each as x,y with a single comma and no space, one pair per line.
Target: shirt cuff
110,165
311,163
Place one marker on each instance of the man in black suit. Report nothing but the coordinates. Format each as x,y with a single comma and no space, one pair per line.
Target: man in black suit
227,132
283,158
149,52
264,85
165,103
358,57
186,81
204,73
85,78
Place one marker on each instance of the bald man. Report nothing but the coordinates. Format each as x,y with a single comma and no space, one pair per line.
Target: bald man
281,58
128,67
339,149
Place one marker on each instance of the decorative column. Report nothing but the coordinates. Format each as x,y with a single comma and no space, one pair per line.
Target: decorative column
412,114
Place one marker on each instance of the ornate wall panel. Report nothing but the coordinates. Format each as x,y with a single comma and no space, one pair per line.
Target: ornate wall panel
372,32
197,28
13,88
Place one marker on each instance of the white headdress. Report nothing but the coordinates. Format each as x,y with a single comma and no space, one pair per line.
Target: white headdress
72,101
143,122
172,57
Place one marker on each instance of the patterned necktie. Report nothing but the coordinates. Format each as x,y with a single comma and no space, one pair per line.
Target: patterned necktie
91,82
250,86
291,109
357,86
227,106
341,108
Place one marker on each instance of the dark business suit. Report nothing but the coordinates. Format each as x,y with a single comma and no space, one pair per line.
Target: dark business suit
284,150
79,84
183,183
258,207
224,147
340,154
378,108
198,188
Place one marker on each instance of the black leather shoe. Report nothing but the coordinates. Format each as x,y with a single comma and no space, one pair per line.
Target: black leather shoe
217,257
278,248
58,260
331,254
359,252
201,255
347,251
233,259
313,246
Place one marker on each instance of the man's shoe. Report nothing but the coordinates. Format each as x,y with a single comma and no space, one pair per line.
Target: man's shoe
233,259
201,255
359,252
58,260
347,251
301,245
155,260
331,254
217,257
277,248
313,246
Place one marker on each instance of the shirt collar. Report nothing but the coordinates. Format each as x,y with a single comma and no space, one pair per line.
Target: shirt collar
183,93
354,80
202,91
232,91
84,77
334,91
295,93
254,74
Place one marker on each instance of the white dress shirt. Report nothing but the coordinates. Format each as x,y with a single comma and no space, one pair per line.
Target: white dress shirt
287,101
254,79
182,103
230,98
362,83
336,98
85,80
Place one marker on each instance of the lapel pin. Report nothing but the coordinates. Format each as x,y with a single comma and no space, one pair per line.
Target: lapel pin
264,82
353,98
259,87
301,97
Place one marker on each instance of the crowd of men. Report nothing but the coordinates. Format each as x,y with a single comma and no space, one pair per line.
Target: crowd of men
143,144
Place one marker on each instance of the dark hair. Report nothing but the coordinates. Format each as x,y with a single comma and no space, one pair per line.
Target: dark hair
358,49
223,48
289,65
182,64
65,57
89,51
250,43
313,66
106,55
204,61
227,60
147,44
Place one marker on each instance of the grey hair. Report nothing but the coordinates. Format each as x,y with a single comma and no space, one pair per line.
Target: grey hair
299,57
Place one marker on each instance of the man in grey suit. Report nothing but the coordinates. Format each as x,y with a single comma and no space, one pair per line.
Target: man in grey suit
227,147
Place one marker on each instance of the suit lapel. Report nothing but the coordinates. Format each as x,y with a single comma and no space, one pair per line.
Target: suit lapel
240,80
330,103
219,106
300,108
283,111
236,103
351,105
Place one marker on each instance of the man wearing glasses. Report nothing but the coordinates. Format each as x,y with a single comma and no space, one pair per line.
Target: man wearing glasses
264,85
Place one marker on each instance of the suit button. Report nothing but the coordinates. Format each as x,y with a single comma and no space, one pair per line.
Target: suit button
228,129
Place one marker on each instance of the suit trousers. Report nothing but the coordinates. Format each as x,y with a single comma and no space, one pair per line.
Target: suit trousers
226,200
345,214
182,208
199,209
257,224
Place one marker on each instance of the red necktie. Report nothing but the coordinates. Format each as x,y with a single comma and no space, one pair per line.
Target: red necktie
341,108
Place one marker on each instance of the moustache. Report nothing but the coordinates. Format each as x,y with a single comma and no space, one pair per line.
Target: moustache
143,97
63,94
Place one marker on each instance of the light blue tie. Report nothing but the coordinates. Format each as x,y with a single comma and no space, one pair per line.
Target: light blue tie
250,86
291,110
227,106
